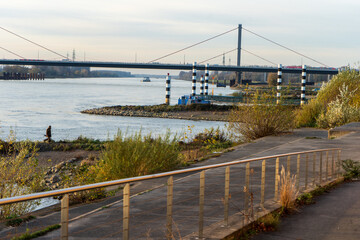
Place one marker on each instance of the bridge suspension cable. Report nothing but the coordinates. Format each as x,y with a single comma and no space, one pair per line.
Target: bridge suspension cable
233,50
280,45
7,50
193,45
33,42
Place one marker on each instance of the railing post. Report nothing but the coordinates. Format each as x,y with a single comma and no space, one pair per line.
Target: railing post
332,164
327,166
276,179
306,170
201,204
288,165
298,173
227,191
126,211
247,185
169,219
263,172
320,168
65,217
314,170
338,163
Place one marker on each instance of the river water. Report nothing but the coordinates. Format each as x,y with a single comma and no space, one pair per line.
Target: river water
29,107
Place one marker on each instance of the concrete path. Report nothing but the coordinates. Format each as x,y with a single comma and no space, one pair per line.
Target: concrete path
148,210
334,216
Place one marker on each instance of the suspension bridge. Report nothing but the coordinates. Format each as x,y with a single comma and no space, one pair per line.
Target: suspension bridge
155,64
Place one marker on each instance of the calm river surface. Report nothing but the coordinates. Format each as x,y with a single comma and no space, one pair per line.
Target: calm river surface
29,107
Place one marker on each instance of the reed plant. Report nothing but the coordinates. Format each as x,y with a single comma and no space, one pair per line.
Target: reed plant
288,191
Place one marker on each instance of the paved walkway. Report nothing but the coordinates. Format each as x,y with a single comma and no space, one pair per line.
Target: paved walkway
334,216
148,210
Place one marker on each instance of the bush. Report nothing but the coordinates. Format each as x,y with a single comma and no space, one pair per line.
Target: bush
18,176
262,117
137,155
351,168
337,102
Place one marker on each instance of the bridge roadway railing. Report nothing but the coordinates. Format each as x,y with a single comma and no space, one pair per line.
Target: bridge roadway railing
187,205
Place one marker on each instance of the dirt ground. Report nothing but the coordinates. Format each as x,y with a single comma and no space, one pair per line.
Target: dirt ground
51,158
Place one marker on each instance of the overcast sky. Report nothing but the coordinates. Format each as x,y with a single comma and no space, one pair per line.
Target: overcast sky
143,30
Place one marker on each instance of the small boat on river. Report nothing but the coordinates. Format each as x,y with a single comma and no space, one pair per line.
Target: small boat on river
146,79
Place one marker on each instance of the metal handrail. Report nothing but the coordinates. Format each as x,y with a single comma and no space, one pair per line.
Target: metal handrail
140,178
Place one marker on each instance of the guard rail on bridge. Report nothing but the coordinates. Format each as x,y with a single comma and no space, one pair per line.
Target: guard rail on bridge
254,182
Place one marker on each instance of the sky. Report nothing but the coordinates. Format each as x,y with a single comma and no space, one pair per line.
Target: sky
143,30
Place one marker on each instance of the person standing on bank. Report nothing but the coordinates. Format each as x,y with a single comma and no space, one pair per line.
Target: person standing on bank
48,134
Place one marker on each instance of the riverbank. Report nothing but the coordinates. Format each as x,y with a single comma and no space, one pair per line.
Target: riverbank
191,112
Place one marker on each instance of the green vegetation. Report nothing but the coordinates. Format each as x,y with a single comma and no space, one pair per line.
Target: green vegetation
19,175
351,168
27,235
337,103
81,142
261,118
15,220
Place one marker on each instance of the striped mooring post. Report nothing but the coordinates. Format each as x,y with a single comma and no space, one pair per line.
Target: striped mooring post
303,84
193,92
207,79
168,86
279,80
202,85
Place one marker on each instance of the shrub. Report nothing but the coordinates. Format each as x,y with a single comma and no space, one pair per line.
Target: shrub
18,176
262,117
351,168
337,102
136,155
340,111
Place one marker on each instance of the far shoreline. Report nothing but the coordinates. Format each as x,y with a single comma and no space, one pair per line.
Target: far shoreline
199,113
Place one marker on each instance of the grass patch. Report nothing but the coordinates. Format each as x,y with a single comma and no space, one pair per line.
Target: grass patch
36,234
15,220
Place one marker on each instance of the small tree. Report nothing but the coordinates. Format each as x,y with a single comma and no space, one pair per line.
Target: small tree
272,79
19,175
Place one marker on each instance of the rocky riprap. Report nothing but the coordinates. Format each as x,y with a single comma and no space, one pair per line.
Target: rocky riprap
187,115
54,175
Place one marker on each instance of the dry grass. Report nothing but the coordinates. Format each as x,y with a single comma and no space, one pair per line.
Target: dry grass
288,192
